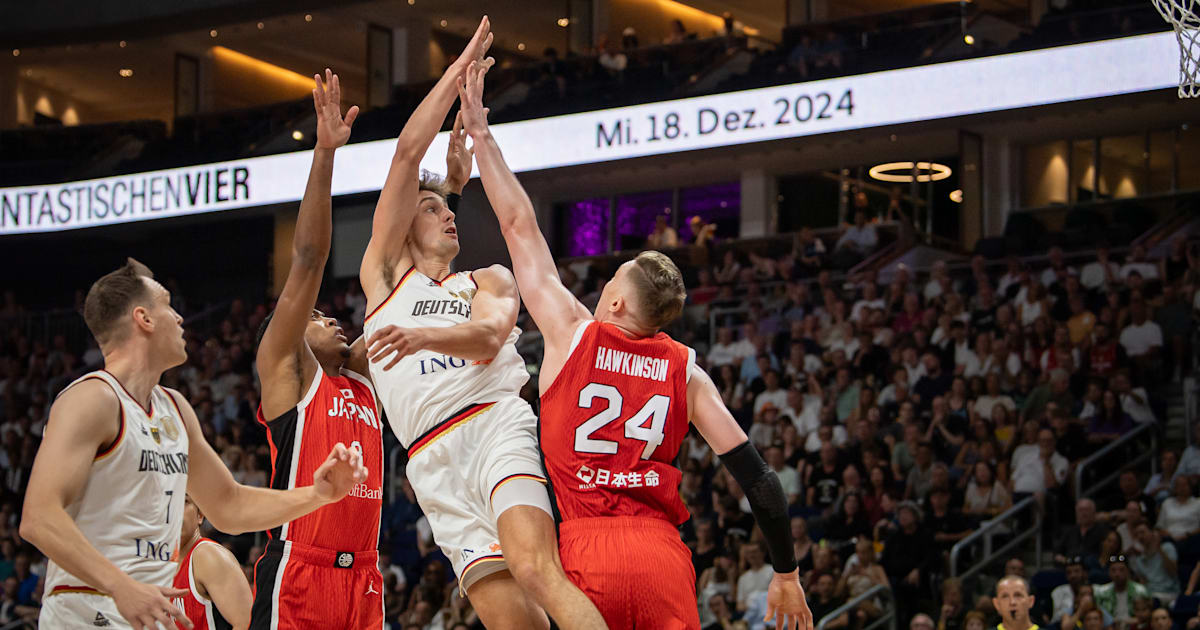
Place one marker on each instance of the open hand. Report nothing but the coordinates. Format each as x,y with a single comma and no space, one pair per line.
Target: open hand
470,96
146,606
786,603
332,129
477,48
341,471
394,339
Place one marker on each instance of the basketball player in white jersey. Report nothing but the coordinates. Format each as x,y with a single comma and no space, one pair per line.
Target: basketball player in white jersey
452,398
118,455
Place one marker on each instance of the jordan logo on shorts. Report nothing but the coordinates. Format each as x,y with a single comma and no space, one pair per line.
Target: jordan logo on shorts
371,588
345,560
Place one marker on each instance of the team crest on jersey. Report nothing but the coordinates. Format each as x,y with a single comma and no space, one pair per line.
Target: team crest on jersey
154,434
465,295
169,428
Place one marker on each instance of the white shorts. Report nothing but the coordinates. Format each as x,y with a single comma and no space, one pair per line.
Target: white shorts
458,470
81,610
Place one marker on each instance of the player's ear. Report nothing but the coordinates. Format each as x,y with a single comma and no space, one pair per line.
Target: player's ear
141,319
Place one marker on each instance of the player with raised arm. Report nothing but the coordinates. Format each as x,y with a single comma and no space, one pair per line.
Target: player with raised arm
617,395
217,594
320,570
118,455
452,390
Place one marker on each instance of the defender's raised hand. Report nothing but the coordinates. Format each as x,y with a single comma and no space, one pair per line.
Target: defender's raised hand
333,130
470,96
458,158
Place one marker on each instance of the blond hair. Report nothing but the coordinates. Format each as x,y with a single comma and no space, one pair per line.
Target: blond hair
659,286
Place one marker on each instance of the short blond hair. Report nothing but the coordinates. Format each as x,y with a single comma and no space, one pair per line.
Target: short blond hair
660,290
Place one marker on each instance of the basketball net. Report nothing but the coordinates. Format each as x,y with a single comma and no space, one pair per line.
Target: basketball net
1183,17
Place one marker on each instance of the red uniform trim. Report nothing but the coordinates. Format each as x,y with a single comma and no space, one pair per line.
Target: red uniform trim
539,479
59,590
150,411
446,426
480,560
403,279
108,450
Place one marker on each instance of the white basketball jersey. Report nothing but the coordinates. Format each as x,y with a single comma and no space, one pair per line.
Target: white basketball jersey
131,506
428,387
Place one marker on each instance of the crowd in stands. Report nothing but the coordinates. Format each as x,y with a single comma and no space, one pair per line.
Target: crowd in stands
899,413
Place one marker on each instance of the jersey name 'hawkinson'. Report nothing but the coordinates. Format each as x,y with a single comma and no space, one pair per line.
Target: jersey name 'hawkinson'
630,364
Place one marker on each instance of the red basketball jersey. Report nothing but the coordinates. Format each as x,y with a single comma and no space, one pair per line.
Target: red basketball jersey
334,409
612,423
199,610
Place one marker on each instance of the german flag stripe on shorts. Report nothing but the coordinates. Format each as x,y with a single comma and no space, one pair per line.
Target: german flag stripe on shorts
446,426
537,478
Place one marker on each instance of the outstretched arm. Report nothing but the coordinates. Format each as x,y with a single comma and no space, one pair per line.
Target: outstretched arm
282,354
552,306
397,203
785,596
234,508
221,578
493,315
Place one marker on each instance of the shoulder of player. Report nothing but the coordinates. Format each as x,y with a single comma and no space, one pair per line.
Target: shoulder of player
89,408
177,398
497,276
212,561
89,392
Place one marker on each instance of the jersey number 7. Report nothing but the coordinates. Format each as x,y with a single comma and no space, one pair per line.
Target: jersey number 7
654,411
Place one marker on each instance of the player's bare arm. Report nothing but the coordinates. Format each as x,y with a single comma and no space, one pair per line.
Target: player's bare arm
285,363
493,315
234,508
785,596
397,203
554,309
83,421
220,578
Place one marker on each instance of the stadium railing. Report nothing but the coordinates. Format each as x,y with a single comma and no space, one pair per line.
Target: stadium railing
1143,431
880,591
1009,522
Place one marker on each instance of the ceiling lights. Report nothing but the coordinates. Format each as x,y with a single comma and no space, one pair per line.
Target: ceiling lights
925,171
956,196
125,72
297,135
563,22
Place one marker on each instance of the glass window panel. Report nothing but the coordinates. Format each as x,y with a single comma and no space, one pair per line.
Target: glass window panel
1083,170
636,214
1187,151
717,203
1123,167
1161,161
585,227
1045,174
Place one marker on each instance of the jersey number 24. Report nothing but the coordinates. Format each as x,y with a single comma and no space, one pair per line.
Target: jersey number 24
647,425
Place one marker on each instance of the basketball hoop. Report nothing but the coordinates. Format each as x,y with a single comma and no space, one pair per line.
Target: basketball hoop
1183,17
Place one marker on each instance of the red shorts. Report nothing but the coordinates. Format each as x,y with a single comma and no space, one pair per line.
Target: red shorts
297,587
635,570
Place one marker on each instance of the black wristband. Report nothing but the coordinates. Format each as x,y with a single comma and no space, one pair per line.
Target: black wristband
452,200
767,501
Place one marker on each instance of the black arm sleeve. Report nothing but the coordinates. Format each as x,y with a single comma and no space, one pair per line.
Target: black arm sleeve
452,200
765,495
